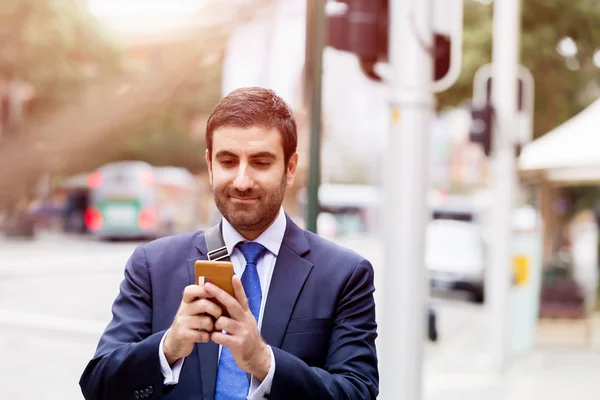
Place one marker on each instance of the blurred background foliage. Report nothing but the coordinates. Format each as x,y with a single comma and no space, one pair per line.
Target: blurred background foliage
55,46
563,85
91,100
58,49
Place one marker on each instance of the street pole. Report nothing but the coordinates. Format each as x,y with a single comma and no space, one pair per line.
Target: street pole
313,77
505,62
403,311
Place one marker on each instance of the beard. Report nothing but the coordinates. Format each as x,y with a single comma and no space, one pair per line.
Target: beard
254,217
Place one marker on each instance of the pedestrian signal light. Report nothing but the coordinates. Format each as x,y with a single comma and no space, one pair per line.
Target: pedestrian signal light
481,126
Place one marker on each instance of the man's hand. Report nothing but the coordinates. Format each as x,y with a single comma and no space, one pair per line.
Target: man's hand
248,348
190,324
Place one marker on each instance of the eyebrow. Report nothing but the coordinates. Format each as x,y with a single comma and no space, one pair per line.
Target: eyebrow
263,154
225,153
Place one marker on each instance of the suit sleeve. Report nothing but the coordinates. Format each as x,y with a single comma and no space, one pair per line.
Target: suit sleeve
126,364
350,370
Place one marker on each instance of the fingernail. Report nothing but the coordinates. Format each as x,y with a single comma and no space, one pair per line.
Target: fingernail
208,285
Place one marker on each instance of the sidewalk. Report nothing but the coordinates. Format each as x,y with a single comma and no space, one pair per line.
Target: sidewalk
545,374
461,372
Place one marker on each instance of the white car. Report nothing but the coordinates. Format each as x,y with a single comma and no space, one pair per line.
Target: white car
455,257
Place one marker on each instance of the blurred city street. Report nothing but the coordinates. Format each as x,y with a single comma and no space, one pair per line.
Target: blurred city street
449,142
55,296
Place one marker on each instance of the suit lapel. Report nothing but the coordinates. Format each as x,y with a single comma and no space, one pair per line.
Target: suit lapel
208,353
291,271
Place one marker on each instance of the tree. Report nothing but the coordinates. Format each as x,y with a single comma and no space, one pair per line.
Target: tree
98,117
165,138
564,86
53,45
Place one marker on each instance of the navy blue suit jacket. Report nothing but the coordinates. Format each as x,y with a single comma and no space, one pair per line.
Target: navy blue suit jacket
319,320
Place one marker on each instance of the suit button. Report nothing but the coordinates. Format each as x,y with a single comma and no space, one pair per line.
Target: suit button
150,389
136,394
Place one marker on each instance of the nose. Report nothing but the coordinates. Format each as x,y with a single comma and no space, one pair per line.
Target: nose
242,180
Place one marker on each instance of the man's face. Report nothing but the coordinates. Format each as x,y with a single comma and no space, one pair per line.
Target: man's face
249,176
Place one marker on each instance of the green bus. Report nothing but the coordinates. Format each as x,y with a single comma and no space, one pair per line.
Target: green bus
132,199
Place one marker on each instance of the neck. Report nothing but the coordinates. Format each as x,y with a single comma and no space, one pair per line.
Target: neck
251,235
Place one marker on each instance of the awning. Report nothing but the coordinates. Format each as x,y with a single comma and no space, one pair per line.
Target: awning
570,153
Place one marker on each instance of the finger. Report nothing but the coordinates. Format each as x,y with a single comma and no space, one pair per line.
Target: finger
230,303
202,306
223,339
226,324
194,292
200,322
198,336
240,293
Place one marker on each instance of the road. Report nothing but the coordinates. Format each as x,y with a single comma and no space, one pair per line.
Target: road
55,299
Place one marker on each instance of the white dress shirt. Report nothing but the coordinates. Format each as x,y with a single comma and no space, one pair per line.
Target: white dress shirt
271,239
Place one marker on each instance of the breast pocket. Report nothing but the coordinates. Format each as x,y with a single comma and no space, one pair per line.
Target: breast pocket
308,339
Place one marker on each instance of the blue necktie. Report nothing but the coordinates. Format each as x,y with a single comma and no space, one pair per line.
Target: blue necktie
232,382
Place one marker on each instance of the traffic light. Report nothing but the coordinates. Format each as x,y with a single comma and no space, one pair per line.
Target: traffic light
443,56
481,132
361,27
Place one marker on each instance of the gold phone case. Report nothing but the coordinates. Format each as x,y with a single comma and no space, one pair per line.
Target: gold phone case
219,273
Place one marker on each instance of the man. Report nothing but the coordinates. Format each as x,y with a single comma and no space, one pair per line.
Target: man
302,322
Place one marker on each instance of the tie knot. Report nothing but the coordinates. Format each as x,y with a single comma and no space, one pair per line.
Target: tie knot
252,251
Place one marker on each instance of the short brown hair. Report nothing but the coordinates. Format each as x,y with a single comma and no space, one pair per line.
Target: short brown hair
254,106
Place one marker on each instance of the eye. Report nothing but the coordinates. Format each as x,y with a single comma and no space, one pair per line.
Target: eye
262,163
227,162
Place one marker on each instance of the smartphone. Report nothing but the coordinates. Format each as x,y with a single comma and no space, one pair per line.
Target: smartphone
219,273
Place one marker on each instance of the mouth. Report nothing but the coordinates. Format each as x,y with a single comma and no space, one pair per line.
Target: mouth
243,200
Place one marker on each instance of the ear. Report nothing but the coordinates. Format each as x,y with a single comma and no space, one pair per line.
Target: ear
209,165
291,169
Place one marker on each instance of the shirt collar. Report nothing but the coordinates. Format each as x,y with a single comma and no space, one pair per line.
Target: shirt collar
271,238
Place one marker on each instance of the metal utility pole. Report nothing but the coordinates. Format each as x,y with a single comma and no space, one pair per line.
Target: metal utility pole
403,311
313,77
505,69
